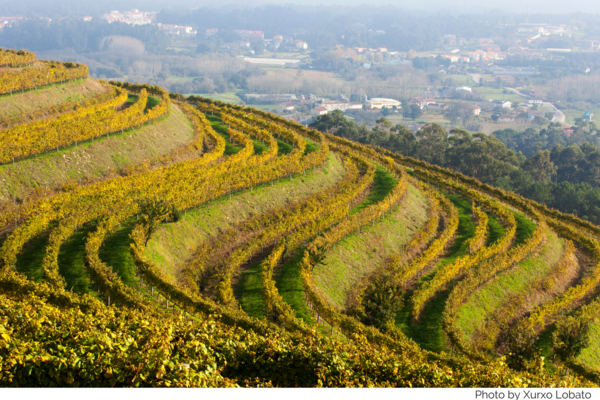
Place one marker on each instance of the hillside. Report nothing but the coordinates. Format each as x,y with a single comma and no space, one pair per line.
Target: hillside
152,239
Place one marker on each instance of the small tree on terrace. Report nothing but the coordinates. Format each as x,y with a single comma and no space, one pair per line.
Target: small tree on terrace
571,336
154,211
520,347
382,300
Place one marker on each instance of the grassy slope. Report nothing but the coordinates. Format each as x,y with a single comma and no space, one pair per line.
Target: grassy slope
231,148
249,289
590,355
174,244
495,230
249,293
287,278
383,184
289,284
34,100
360,253
71,262
115,252
29,261
95,159
429,332
484,302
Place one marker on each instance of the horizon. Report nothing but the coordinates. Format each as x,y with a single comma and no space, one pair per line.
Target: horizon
536,7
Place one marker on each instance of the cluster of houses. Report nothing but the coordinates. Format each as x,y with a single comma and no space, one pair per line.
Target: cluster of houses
422,103
132,17
288,103
9,21
6,22
538,33
509,115
247,38
137,17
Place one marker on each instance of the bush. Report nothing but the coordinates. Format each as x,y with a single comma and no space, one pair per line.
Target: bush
521,349
154,211
382,301
572,335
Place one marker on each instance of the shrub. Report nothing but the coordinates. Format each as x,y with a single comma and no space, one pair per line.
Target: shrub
520,347
572,335
382,301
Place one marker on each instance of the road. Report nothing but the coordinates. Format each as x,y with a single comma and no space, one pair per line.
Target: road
559,116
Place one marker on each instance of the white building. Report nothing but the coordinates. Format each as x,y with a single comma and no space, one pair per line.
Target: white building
301,44
501,104
286,107
380,103
177,29
319,111
464,88
341,105
133,17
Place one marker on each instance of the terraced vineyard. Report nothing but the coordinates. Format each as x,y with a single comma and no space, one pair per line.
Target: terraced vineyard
223,246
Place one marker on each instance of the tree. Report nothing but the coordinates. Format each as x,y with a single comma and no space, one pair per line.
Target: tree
415,111
259,48
432,144
459,111
204,48
540,167
520,347
405,109
229,36
153,212
571,336
384,122
381,302
385,111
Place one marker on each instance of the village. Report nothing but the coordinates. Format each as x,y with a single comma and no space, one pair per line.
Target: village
472,84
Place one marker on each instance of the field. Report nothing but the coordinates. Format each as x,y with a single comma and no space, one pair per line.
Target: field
571,115
490,93
227,97
155,239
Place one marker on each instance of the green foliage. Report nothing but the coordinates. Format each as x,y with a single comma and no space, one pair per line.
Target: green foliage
283,148
382,301
259,148
249,292
383,184
571,336
520,347
153,212
289,285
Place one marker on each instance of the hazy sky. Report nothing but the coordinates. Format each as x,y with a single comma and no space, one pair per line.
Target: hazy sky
450,6
460,6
